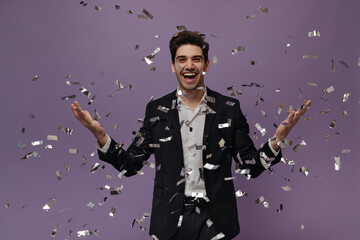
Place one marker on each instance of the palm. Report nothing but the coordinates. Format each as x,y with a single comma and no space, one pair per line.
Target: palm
293,118
85,118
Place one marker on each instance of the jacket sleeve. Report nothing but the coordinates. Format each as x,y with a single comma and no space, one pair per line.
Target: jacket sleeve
134,158
251,160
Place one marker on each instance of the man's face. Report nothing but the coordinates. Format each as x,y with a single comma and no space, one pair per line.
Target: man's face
189,66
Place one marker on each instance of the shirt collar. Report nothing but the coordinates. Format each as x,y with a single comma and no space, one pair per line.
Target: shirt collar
202,102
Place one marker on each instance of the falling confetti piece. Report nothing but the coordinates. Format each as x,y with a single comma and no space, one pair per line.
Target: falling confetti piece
337,163
263,9
50,205
98,8
241,193
181,28
310,56
304,170
35,78
251,16
238,49
314,33
299,146
328,90
214,59
346,97
286,188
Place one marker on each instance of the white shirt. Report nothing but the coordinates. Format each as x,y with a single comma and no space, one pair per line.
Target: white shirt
192,132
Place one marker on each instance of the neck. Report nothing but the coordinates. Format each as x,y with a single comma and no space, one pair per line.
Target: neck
193,98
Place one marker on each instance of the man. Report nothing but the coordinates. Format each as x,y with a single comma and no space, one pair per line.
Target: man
194,133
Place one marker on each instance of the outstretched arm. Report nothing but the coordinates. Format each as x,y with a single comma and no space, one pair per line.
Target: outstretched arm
285,127
94,126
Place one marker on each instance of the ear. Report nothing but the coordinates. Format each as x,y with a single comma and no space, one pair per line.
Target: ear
172,67
207,66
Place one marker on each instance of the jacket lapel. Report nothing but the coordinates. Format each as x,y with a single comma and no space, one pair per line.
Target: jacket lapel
174,121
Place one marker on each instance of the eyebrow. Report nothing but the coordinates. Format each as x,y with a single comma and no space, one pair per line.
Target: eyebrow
196,56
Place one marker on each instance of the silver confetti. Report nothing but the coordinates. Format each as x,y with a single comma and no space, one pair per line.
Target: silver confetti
260,129
332,124
148,14
83,233
94,167
251,16
218,236
58,175
209,223
314,33
286,188
68,97
154,145
304,170
180,221
211,166
312,84
27,156
181,28
263,112
230,103
214,59
310,56
223,125
52,137
328,90
238,49
36,143
73,150
163,109
337,163
66,130
85,91
287,161
241,193
229,178
112,212
346,97
165,139
72,83
222,143
299,146
49,205
90,205
280,108
53,233
119,84
263,9
345,151
35,78
92,99
98,8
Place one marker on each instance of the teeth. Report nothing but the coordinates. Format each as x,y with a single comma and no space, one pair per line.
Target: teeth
189,74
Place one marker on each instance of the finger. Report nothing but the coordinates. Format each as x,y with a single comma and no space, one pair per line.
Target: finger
290,109
77,105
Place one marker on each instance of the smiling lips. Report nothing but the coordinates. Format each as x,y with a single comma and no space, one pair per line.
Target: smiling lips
189,75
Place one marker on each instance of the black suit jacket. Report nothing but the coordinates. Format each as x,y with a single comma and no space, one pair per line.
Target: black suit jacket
161,123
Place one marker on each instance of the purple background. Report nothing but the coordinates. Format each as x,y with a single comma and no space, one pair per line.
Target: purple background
53,38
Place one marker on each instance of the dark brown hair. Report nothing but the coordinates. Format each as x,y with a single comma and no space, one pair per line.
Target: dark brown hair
188,37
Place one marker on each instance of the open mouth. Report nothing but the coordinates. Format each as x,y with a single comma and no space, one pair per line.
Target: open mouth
190,75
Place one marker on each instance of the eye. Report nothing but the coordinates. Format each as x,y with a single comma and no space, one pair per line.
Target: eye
181,60
197,59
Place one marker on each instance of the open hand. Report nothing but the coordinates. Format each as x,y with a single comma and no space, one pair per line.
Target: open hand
85,119
293,118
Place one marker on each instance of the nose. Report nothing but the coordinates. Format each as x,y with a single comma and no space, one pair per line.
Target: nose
189,65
